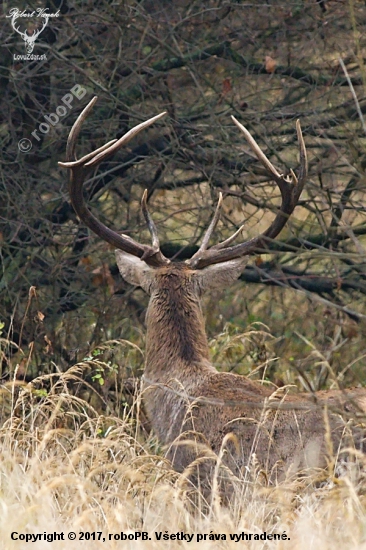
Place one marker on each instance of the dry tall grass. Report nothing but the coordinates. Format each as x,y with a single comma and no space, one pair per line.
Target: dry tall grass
64,468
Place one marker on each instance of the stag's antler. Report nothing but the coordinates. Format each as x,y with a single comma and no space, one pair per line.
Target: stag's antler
290,188
81,168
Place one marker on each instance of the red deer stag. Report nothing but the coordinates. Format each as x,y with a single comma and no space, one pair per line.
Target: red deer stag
194,409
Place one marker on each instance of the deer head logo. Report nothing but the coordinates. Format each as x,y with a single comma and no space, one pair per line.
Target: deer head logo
29,40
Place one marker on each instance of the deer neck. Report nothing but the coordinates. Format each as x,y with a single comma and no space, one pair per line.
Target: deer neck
176,341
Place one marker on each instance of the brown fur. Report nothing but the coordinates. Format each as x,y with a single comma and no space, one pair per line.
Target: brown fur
186,396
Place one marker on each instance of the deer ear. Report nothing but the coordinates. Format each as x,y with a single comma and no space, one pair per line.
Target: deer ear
134,271
220,275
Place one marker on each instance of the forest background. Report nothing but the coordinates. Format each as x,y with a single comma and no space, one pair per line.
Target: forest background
296,316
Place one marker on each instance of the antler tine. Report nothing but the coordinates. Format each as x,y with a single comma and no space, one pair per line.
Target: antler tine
73,136
256,149
81,168
229,240
290,188
303,158
150,222
211,228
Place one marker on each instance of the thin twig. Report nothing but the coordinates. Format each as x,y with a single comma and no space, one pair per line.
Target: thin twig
358,108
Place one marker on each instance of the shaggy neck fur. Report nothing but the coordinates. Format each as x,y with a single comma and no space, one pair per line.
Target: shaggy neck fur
175,329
